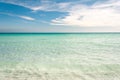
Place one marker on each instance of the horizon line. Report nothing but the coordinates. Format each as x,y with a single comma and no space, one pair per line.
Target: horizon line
57,32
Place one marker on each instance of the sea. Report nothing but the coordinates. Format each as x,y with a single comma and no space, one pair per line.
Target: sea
60,56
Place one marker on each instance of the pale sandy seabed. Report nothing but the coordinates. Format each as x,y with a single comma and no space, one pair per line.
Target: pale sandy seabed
60,57
92,73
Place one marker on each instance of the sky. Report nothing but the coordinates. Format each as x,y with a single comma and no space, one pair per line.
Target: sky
59,15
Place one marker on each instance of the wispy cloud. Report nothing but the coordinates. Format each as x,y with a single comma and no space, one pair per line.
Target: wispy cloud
19,16
27,18
45,5
60,7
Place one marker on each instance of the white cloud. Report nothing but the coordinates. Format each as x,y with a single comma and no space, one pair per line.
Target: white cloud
27,18
102,14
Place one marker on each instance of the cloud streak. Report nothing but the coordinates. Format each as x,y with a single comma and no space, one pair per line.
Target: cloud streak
19,16
27,18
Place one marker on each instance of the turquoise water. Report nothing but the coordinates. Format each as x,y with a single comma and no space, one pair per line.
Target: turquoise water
60,56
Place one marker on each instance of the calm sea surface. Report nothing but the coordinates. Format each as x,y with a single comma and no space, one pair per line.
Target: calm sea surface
60,56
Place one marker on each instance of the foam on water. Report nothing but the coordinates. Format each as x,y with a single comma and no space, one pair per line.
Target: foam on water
59,56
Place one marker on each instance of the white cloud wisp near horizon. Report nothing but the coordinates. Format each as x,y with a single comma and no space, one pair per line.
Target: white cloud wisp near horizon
19,16
27,18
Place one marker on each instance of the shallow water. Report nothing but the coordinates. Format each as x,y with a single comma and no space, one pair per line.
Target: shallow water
59,56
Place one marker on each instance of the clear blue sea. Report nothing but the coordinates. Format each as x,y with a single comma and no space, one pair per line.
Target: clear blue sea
84,56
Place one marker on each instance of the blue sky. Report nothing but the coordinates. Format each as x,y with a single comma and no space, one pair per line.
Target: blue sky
59,16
